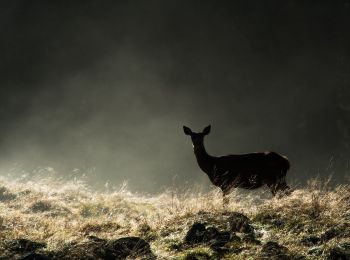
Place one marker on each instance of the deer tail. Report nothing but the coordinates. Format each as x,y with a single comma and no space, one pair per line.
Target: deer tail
286,163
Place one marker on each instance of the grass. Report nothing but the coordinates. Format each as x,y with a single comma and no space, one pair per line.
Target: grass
61,213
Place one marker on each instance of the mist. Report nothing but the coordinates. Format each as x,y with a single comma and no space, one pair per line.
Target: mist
106,88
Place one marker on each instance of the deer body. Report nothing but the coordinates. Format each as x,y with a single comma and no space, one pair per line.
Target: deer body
248,171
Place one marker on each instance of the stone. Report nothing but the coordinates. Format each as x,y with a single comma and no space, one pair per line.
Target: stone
40,206
24,245
310,240
125,247
197,256
35,256
97,248
239,223
6,195
195,234
339,252
272,250
199,234
96,239
330,233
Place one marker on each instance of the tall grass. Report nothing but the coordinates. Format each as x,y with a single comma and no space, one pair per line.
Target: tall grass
60,212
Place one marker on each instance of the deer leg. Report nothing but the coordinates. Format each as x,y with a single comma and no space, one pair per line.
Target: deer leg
284,188
273,189
225,197
280,186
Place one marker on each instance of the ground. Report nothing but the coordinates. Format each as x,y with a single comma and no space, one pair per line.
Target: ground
60,219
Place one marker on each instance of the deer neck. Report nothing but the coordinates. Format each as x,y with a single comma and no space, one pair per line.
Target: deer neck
205,161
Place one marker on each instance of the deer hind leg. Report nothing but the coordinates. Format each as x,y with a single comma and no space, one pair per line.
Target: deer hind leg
225,197
272,188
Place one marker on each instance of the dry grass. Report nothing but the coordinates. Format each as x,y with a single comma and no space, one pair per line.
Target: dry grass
60,213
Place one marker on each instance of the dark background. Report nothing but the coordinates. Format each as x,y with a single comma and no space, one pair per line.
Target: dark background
105,87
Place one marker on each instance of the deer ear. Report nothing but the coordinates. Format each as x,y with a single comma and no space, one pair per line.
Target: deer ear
187,130
206,130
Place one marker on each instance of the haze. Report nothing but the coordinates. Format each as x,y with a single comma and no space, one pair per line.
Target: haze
106,87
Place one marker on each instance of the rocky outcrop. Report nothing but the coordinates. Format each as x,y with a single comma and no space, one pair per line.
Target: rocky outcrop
199,234
23,245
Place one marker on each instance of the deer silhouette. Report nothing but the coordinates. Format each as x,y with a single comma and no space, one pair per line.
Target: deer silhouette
248,171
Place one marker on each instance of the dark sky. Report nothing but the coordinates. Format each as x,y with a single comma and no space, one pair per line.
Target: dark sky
105,86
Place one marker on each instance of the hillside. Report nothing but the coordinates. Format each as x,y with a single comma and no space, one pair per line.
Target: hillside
59,219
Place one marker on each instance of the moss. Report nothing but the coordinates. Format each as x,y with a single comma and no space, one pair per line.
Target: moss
173,244
198,253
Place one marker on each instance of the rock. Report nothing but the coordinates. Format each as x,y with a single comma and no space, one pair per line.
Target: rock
96,239
239,223
215,238
219,252
235,239
40,206
128,247
195,234
35,256
24,245
6,195
199,234
97,248
197,256
339,252
330,233
310,240
48,209
297,257
272,250
279,223
93,248
225,236
269,218
210,233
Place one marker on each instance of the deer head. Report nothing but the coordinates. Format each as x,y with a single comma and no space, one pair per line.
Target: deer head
197,138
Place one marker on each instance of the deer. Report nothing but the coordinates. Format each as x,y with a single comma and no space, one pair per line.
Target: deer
248,171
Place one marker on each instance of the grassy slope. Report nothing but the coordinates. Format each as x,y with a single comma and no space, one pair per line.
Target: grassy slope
59,213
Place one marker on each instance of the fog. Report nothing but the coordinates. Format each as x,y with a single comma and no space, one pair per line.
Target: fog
106,87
